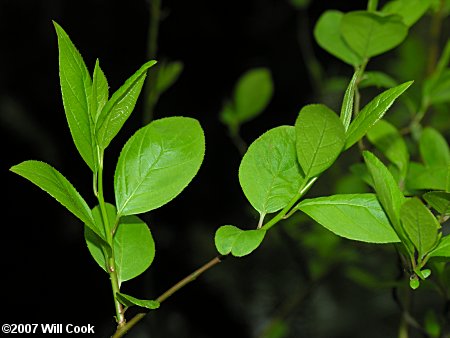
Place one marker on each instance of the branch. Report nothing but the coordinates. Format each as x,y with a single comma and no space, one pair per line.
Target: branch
190,278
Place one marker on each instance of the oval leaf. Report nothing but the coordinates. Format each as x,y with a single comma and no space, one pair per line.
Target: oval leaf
230,239
320,137
434,148
119,107
388,140
168,73
358,217
134,248
439,201
372,112
157,163
443,248
269,173
56,185
328,36
420,225
409,10
370,33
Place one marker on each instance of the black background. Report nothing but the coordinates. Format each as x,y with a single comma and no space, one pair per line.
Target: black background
47,273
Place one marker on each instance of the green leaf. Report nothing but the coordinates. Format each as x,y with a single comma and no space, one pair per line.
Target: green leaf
157,163
328,36
320,137
377,79
439,201
420,225
76,89
252,94
442,249
358,217
269,173
56,185
388,192
119,107
134,248
372,112
414,282
427,178
371,33
347,102
434,148
129,301
410,10
230,239
436,89
168,73
100,92
388,140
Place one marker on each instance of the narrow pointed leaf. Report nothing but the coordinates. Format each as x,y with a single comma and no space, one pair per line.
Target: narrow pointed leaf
56,185
421,177
230,239
119,107
129,301
436,90
420,225
377,79
443,248
328,36
388,140
358,217
388,192
269,174
134,248
320,137
157,163
439,201
370,33
372,112
347,103
100,91
434,149
76,89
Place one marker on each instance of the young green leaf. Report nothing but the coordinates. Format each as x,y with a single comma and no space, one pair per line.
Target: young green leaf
328,36
230,239
409,10
252,94
371,33
168,74
130,301
436,89
347,103
434,149
439,201
269,173
372,112
358,217
421,177
157,163
119,107
320,137
76,89
420,225
389,141
388,192
377,79
100,92
442,249
56,185
134,248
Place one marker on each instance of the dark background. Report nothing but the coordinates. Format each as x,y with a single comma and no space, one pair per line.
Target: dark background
47,273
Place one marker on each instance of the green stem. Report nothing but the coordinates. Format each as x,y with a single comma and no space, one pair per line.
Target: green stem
150,94
303,189
235,136
188,279
372,5
111,266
